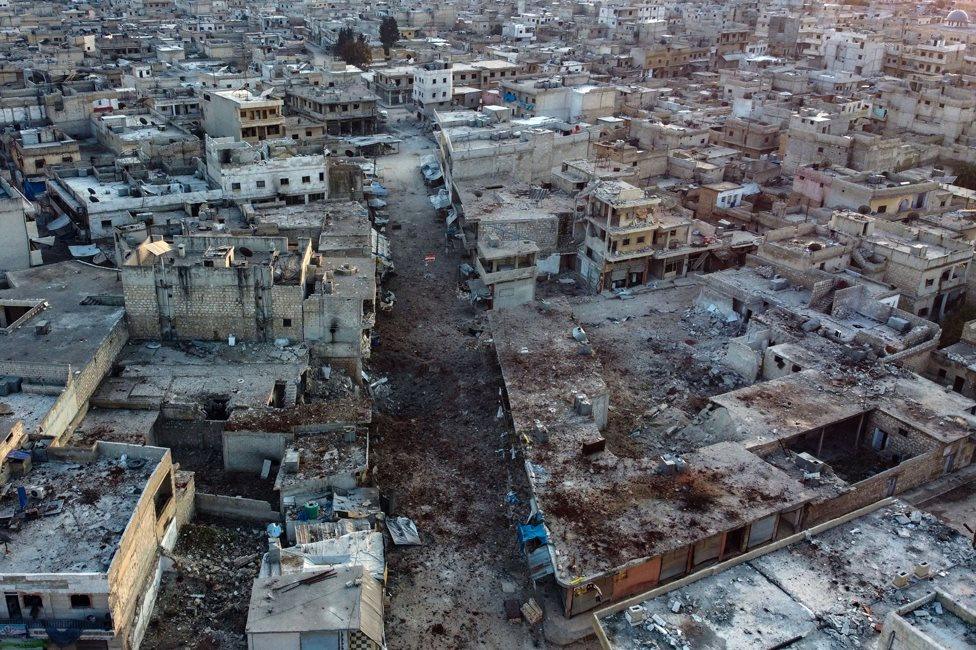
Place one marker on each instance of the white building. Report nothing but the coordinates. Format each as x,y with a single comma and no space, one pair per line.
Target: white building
267,171
613,16
518,30
854,52
17,230
433,86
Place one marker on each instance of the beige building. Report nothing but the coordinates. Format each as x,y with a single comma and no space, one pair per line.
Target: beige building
632,238
33,150
247,288
242,116
86,573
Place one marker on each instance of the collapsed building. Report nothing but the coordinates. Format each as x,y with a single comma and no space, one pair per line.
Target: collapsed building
820,435
250,289
887,570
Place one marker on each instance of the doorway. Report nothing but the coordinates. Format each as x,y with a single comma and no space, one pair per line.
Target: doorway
13,606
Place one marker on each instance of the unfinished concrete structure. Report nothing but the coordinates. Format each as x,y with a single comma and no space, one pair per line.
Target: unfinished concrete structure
87,571
507,269
240,115
250,289
344,111
909,575
632,238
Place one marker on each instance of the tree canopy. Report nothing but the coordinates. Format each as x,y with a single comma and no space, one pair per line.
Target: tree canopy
352,48
389,33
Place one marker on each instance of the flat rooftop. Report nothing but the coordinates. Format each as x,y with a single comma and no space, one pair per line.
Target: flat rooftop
85,510
604,510
486,201
192,373
78,322
807,400
831,590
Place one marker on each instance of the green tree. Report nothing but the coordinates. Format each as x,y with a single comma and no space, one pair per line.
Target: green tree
344,39
496,30
389,33
966,176
358,53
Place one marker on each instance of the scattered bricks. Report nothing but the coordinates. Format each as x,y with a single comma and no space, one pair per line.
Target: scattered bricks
594,446
532,612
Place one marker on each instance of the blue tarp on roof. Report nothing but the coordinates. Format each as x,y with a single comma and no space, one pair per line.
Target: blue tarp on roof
529,532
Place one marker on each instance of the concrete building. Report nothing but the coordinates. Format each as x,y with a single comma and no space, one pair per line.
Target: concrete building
507,270
250,289
18,230
955,365
95,207
394,85
784,591
127,134
34,150
929,269
343,110
433,87
489,143
632,238
756,444
550,98
893,195
240,115
103,595
614,15
855,52
270,171
929,108
752,137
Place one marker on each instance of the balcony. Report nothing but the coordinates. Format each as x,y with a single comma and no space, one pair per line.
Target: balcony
94,627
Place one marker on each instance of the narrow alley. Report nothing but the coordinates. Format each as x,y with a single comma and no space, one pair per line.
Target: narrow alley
438,442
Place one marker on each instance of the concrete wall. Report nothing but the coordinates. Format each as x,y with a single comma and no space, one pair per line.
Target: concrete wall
207,303
235,508
80,386
529,159
246,451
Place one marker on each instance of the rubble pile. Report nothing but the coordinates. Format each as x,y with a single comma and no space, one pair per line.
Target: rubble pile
203,599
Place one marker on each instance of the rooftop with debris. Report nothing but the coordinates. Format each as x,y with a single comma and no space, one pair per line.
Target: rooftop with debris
59,314
76,512
832,589
602,509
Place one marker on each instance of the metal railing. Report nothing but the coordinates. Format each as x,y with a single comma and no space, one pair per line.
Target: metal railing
100,623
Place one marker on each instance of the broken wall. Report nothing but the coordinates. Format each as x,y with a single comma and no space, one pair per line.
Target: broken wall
246,451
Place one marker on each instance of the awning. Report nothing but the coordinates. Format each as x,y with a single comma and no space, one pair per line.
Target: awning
440,200
59,223
91,250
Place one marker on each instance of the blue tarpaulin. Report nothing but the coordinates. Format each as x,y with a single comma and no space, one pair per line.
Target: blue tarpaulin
529,532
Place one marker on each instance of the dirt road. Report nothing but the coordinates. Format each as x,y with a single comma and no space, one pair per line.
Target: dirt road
437,442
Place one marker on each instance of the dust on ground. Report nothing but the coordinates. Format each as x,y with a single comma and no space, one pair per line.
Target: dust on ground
203,601
210,477
437,441
661,359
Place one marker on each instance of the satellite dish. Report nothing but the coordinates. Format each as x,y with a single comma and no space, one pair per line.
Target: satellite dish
246,252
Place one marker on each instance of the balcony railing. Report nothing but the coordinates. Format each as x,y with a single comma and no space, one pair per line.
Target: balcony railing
99,623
